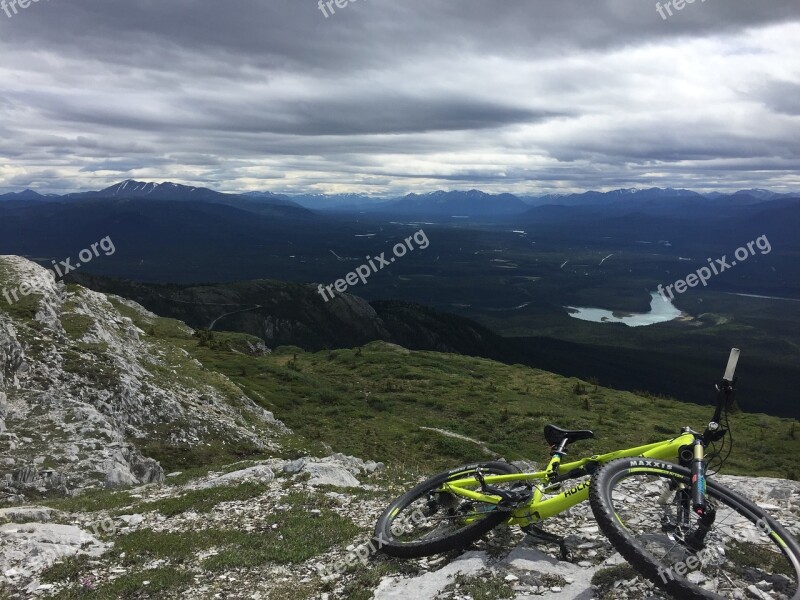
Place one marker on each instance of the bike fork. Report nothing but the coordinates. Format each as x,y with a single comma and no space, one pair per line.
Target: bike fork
699,479
707,513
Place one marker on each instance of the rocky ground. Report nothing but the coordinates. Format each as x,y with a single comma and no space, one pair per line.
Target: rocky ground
34,538
338,498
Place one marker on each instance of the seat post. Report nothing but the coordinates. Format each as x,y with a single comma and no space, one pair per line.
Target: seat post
561,451
557,452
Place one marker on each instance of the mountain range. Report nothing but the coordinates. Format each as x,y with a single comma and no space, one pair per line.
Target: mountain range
454,203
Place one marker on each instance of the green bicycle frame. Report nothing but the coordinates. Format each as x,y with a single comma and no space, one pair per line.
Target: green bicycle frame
538,509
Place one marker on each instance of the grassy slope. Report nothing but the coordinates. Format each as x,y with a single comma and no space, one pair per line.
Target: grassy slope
373,402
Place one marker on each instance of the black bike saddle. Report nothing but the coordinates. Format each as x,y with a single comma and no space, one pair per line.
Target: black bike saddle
555,435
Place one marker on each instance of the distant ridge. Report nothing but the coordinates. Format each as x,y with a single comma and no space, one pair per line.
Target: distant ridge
440,203
457,203
25,195
130,189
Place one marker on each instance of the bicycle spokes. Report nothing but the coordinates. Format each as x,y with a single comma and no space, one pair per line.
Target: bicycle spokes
723,551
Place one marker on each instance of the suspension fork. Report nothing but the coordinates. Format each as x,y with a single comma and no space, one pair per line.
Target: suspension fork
699,478
706,512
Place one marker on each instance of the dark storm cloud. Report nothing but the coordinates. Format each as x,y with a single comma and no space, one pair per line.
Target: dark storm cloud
380,115
314,116
389,96
293,33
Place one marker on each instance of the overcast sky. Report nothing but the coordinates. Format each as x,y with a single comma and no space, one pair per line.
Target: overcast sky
386,97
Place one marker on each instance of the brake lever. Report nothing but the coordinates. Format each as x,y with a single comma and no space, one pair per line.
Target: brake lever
714,434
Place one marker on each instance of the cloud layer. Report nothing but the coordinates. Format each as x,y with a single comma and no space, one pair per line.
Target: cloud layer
382,97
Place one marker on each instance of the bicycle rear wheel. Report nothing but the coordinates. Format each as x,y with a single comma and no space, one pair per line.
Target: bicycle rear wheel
426,521
644,508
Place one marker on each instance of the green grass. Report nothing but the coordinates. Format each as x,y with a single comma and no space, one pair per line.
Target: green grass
760,557
283,537
197,457
297,537
203,501
605,578
91,361
122,502
75,325
217,465
303,538
23,307
132,586
372,402
483,586
92,501
158,327
70,569
362,581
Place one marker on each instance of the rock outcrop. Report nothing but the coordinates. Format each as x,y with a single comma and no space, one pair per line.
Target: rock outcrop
83,388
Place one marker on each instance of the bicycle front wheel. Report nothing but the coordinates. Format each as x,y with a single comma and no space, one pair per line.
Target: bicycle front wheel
644,508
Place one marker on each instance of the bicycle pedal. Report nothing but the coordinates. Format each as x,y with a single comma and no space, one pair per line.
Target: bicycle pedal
566,553
540,534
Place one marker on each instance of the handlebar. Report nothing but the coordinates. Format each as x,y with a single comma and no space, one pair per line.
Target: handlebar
731,368
725,393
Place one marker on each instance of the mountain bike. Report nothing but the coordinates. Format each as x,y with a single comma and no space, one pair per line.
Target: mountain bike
690,535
